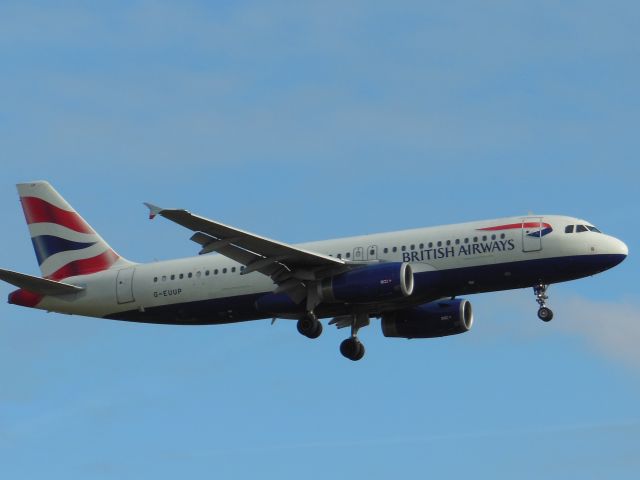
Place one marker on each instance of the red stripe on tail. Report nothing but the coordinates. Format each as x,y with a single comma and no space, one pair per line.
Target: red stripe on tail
25,298
104,261
37,210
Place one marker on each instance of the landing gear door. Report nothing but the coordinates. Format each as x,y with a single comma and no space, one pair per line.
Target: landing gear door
532,234
124,285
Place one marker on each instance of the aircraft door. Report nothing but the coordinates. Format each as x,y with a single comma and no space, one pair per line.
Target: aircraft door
372,252
358,254
124,285
532,234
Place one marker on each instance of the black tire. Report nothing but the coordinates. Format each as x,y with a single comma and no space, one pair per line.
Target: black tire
352,349
309,327
545,314
317,330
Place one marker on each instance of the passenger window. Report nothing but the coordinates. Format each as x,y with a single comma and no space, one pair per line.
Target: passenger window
181,276
233,269
339,255
421,246
348,255
448,242
173,277
403,248
206,274
475,239
412,247
164,278
190,275
581,228
155,279
395,249
430,244
224,270
386,250
215,272
569,229
372,252
457,241
503,236
466,240
439,243
484,238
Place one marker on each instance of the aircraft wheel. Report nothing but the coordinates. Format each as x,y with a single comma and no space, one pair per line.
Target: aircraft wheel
545,314
317,330
309,326
352,349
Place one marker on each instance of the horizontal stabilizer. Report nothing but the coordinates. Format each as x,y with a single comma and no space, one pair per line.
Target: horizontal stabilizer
38,285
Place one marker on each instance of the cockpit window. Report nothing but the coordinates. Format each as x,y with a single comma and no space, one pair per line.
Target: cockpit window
581,228
569,229
593,229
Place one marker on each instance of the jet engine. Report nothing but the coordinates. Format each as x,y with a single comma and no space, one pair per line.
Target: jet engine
366,284
435,319
371,283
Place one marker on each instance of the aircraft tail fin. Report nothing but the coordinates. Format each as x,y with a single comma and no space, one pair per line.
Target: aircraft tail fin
64,243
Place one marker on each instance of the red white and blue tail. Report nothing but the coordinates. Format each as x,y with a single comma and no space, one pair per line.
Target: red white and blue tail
65,245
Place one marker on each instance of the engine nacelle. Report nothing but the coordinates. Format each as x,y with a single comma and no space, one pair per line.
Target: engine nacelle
371,283
435,319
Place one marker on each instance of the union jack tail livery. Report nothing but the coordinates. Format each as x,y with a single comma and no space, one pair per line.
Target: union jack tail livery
65,244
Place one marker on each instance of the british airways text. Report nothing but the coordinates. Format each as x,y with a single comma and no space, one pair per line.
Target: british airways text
459,250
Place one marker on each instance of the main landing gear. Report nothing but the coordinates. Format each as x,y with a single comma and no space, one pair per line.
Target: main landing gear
310,326
544,313
352,348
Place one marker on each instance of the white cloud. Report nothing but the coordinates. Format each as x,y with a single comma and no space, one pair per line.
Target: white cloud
612,329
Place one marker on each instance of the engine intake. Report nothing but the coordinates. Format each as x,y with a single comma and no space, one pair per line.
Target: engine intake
435,319
371,283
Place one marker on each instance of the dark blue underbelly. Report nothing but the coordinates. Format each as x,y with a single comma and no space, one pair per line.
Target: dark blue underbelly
429,286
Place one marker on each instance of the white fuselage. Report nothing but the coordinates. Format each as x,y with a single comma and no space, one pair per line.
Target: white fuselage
448,260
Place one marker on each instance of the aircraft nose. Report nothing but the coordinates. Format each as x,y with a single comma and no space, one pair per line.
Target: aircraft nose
618,247
616,251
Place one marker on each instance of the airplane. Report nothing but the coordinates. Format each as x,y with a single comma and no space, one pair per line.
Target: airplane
410,279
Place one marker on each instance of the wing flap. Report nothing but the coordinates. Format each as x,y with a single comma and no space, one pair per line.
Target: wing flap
38,285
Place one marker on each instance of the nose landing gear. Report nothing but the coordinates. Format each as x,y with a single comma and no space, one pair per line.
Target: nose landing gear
544,313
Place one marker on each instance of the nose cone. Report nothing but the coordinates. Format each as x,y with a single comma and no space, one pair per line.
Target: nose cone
616,251
622,248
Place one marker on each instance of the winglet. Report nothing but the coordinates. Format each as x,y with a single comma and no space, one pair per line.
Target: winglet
153,210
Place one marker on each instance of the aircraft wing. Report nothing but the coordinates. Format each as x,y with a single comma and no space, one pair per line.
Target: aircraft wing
37,284
287,265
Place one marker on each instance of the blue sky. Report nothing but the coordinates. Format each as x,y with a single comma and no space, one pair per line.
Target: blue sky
301,122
